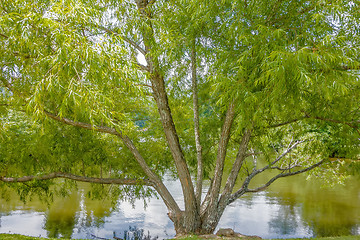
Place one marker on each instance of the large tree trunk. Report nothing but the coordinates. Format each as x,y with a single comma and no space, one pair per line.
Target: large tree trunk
181,221
189,221
191,216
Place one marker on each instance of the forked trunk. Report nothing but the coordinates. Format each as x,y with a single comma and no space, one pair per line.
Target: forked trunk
202,226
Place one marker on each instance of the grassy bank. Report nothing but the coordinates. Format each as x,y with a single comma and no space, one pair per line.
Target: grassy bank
21,237
325,238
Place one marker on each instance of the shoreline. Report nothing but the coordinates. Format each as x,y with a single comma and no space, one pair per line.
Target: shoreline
7,236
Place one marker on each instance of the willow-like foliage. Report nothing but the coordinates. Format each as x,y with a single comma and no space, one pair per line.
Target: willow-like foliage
104,90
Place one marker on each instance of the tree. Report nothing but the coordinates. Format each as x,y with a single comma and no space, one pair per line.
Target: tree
258,78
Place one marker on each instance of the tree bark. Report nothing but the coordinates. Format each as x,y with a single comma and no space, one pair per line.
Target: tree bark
213,217
120,181
199,174
209,211
191,214
241,155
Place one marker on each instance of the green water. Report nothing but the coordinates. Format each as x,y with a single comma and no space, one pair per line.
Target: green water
291,207
328,211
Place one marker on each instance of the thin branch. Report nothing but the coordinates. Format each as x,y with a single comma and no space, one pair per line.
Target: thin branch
143,67
8,85
143,85
119,181
287,168
335,121
246,182
289,149
303,11
4,36
349,68
253,154
273,11
281,175
26,56
128,40
244,189
285,123
84,125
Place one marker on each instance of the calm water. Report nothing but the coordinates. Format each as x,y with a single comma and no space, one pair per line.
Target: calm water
292,207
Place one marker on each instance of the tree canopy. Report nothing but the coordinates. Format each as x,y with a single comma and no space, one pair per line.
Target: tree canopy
120,92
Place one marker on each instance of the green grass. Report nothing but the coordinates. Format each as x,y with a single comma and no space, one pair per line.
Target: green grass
22,237
325,238
18,237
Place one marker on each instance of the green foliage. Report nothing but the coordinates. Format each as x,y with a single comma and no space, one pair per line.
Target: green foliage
278,61
29,149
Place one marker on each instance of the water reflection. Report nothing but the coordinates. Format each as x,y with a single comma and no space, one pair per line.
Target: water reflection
292,208
60,220
326,211
265,217
285,222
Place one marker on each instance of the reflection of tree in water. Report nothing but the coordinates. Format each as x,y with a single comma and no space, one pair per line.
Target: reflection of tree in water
61,218
328,217
326,211
75,210
285,222
94,212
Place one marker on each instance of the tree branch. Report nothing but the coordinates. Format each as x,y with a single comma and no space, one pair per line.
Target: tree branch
84,125
241,155
9,87
244,189
253,154
350,67
161,98
273,11
281,175
4,36
303,11
128,40
287,122
212,195
199,175
6,84
143,67
335,121
119,181
255,172
350,124
158,184
287,168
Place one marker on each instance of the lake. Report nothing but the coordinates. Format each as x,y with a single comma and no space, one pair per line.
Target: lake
291,207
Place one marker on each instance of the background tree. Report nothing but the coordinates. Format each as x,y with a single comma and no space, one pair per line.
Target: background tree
272,78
